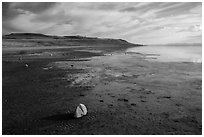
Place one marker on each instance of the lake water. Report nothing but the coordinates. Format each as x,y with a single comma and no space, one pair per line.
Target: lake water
170,53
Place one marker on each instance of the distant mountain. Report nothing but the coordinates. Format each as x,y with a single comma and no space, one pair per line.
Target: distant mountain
49,40
24,35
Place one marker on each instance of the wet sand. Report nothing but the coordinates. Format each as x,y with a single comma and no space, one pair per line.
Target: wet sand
123,92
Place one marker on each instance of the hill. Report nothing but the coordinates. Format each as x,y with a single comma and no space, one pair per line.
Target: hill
41,40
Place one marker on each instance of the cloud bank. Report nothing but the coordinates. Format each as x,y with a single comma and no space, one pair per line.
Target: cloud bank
147,23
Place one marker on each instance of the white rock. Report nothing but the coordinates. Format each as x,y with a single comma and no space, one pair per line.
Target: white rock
81,111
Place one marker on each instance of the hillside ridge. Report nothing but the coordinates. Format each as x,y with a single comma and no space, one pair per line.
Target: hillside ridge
67,37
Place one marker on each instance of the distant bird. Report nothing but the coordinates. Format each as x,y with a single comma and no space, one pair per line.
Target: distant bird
26,65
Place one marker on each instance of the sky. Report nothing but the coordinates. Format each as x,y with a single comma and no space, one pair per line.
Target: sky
144,23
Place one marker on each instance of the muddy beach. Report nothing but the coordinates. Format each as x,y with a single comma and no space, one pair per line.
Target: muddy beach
124,93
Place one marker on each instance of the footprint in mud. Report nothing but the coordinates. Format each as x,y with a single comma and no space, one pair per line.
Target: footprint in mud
105,83
101,100
81,95
198,109
123,99
87,87
110,105
67,126
145,91
165,115
178,104
91,117
132,90
167,97
195,109
142,97
58,128
135,76
133,104
112,96
143,100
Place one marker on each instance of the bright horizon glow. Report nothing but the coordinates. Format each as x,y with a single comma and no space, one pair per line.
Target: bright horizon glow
171,53
145,23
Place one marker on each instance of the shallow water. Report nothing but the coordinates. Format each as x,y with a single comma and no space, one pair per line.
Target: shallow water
170,53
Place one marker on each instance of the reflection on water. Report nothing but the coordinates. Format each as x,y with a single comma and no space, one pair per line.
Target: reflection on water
170,53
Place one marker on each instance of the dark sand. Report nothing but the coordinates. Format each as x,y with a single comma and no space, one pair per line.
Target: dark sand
124,93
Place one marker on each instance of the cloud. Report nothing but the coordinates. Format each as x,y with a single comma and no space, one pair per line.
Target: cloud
7,11
11,10
192,28
178,9
34,7
158,6
136,22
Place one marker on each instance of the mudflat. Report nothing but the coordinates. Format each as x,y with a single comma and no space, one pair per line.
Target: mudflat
123,92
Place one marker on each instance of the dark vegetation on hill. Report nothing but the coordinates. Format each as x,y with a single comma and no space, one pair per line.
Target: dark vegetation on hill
36,39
